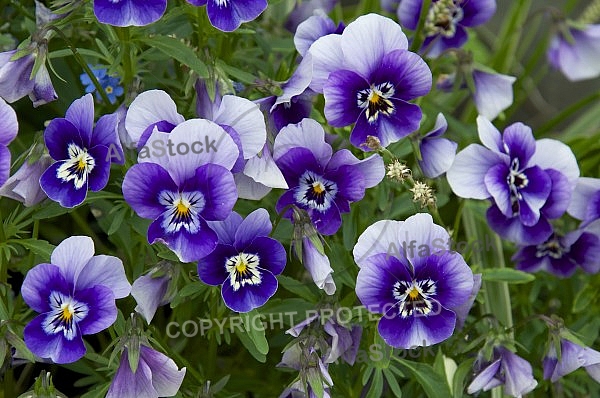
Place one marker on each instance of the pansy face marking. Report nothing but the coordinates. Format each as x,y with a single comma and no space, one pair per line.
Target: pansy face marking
315,191
552,248
77,168
443,17
243,270
516,180
64,315
414,297
376,99
182,210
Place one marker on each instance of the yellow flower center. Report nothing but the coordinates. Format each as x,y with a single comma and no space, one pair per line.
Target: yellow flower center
182,209
413,294
241,266
67,312
318,188
108,89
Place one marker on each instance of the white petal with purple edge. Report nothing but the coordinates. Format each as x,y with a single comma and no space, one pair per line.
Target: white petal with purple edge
420,230
71,256
489,134
245,117
380,237
206,142
249,189
9,125
584,190
553,154
107,271
318,266
307,134
263,170
166,377
298,83
438,155
155,149
493,93
467,173
579,60
148,108
327,56
148,293
311,29
366,40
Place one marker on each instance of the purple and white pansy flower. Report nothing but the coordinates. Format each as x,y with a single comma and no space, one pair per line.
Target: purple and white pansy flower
321,182
228,15
151,110
129,12
9,127
405,276
585,203
572,357
437,153
156,375
16,80
75,295
505,369
575,51
367,76
82,152
245,261
446,21
529,182
562,254
185,186
493,93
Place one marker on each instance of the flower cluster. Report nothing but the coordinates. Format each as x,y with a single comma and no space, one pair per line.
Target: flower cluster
229,158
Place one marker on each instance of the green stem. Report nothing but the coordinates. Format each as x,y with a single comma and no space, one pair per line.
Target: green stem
497,296
128,55
568,112
419,37
83,64
510,36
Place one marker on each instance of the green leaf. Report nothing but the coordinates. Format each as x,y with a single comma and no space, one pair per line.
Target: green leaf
50,211
435,385
392,382
179,51
238,74
376,388
297,288
39,247
117,221
256,331
458,381
507,275
584,298
19,345
249,344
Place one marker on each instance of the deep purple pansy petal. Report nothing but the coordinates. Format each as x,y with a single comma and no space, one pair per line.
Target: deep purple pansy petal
249,297
39,282
414,331
54,347
141,188
129,12
102,311
254,225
